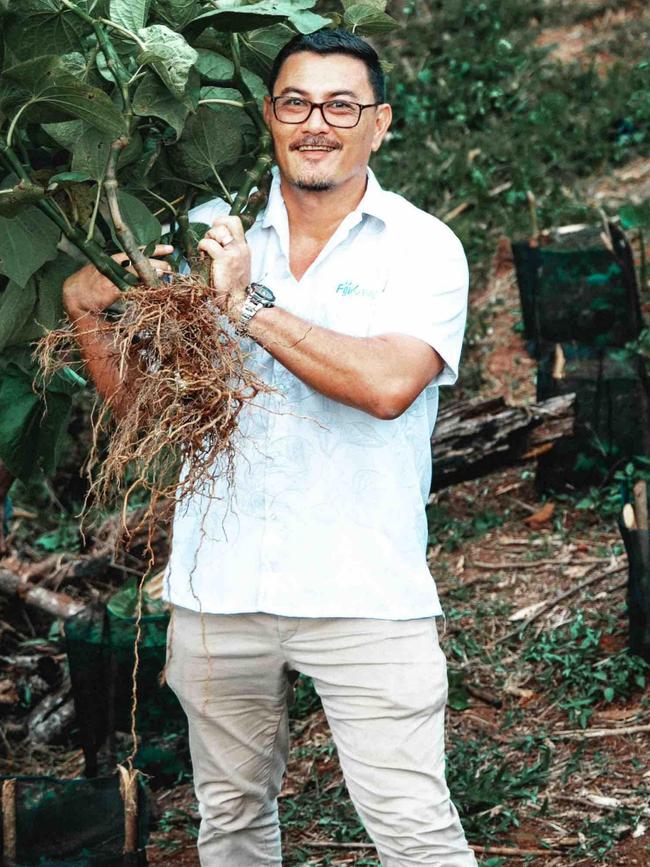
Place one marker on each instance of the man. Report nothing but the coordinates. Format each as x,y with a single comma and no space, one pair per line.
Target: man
352,305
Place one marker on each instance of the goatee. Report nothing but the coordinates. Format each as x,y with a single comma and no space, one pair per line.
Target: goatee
314,186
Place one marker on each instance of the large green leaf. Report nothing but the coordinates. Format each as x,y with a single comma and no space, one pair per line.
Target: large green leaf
237,16
32,418
27,241
131,14
66,133
176,13
367,19
53,94
152,98
90,153
27,311
139,218
215,66
16,311
170,55
212,138
43,24
260,47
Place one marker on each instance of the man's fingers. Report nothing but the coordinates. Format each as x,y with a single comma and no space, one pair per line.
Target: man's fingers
213,248
163,250
232,224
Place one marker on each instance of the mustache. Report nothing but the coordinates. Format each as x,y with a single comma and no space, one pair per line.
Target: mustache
315,141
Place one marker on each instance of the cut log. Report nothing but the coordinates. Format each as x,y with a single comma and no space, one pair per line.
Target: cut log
54,604
476,437
52,718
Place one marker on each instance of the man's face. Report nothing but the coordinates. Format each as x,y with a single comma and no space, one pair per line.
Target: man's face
299,147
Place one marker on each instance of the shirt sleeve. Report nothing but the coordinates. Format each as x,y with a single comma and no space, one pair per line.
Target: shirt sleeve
426,293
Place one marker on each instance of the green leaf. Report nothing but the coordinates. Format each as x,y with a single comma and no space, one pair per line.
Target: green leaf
27,241
212,138
53,94
176,13
375,4
66,133
27,312
260,47
131,14
367,19
139,218
32,422
170,55
217,67
41,23
609,693
212,65
635,216
239,17
16,309
153,99
90,152
69,178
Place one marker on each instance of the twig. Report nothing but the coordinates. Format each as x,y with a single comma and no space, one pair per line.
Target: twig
514,851
600,733
122,230
560,597
523,564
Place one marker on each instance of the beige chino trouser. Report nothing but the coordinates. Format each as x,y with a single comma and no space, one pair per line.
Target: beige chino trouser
383,685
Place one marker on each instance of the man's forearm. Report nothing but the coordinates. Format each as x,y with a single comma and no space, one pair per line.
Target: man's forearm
380,375
94,338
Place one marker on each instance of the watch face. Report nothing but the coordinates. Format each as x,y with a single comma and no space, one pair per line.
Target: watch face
263,293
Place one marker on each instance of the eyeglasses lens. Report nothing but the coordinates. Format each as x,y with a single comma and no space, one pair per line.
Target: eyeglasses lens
336,112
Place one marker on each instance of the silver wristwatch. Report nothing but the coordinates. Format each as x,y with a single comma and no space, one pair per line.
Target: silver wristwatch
258,296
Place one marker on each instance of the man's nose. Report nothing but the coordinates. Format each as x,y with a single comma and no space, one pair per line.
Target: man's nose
316,122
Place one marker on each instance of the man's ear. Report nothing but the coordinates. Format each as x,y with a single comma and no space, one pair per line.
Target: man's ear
383,120
267,110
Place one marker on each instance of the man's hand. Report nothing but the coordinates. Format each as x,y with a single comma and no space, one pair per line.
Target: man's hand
225,244
88,291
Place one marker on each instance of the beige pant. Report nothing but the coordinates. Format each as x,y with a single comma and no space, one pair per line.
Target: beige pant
383,685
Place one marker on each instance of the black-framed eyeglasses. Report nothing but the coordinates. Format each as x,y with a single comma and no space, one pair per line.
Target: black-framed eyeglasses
336,112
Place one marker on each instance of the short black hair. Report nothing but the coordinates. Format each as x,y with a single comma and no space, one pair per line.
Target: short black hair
334,42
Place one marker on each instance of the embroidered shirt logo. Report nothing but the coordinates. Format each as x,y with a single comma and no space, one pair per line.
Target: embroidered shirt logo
347,288
350,288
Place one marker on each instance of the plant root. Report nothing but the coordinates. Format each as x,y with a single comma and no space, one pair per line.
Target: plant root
172,425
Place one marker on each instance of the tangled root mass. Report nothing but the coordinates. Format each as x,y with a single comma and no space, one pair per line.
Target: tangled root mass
185,383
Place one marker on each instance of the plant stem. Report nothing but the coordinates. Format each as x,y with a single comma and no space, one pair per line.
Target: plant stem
234,102
12,127
123,30
113,62
93,216
183,219
250,103
254,178
139,261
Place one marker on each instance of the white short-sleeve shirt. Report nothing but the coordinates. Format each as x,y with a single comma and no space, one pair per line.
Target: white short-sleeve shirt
326,514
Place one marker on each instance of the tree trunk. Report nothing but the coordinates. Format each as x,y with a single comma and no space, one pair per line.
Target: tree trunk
476,437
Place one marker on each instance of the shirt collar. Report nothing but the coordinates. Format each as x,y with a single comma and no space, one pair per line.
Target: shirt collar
373,202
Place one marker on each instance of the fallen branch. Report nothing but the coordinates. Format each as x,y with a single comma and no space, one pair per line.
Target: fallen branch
514,851
476,437
562,596
600,733
54,604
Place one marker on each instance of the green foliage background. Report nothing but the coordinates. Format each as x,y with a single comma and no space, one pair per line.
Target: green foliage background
147,107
